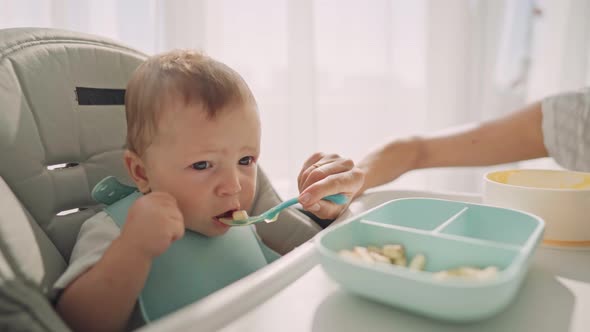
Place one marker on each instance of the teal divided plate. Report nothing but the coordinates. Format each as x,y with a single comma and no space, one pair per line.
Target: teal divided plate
450,234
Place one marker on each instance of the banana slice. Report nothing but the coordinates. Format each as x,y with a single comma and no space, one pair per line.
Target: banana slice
418,262
240,215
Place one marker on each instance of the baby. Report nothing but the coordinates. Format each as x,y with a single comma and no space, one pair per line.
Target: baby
193,143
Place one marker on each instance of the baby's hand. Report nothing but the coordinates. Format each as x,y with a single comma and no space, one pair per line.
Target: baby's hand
154,222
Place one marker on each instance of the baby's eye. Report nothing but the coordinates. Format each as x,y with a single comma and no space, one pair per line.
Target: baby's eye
246,161
201,165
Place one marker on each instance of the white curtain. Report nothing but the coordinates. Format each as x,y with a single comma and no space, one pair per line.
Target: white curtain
346,75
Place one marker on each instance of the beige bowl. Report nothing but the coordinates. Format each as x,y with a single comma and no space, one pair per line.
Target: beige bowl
561,198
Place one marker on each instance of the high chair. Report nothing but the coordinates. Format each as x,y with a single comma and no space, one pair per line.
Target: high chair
62,129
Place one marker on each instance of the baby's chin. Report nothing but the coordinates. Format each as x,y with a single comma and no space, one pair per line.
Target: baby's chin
213,229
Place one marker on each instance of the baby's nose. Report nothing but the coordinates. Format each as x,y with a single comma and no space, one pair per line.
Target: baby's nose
230,185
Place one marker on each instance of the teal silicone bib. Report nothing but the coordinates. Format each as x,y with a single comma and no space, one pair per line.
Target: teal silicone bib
195,265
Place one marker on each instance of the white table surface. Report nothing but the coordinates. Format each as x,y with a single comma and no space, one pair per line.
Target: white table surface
294,294
555,296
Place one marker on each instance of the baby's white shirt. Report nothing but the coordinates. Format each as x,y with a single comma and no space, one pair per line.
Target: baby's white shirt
95,236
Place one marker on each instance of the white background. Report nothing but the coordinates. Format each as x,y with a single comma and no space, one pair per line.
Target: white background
346,75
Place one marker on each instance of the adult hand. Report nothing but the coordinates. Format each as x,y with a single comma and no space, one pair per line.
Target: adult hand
327,174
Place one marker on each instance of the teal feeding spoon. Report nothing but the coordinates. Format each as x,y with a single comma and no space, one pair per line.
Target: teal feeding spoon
273,213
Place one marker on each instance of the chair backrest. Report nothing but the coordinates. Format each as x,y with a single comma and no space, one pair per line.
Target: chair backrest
62,129
57,139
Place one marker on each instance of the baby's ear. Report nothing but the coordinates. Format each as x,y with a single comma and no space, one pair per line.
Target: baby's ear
136,169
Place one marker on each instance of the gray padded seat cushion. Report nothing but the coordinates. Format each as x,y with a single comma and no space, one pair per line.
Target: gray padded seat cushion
291,229
25,247
42,124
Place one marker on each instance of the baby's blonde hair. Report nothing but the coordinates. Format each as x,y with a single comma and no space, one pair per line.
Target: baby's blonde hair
184,76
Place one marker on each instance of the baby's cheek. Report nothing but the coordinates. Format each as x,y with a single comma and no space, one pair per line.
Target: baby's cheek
246,203
197,224
248,193
193,212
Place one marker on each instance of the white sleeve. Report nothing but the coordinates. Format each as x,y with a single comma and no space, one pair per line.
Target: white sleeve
566,129
96,235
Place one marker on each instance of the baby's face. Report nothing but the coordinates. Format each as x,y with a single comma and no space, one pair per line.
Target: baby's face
208,165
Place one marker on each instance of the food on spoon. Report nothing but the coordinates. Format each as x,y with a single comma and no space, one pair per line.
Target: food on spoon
240,215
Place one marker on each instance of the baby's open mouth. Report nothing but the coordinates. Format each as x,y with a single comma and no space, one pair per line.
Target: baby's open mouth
232,215
226,215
